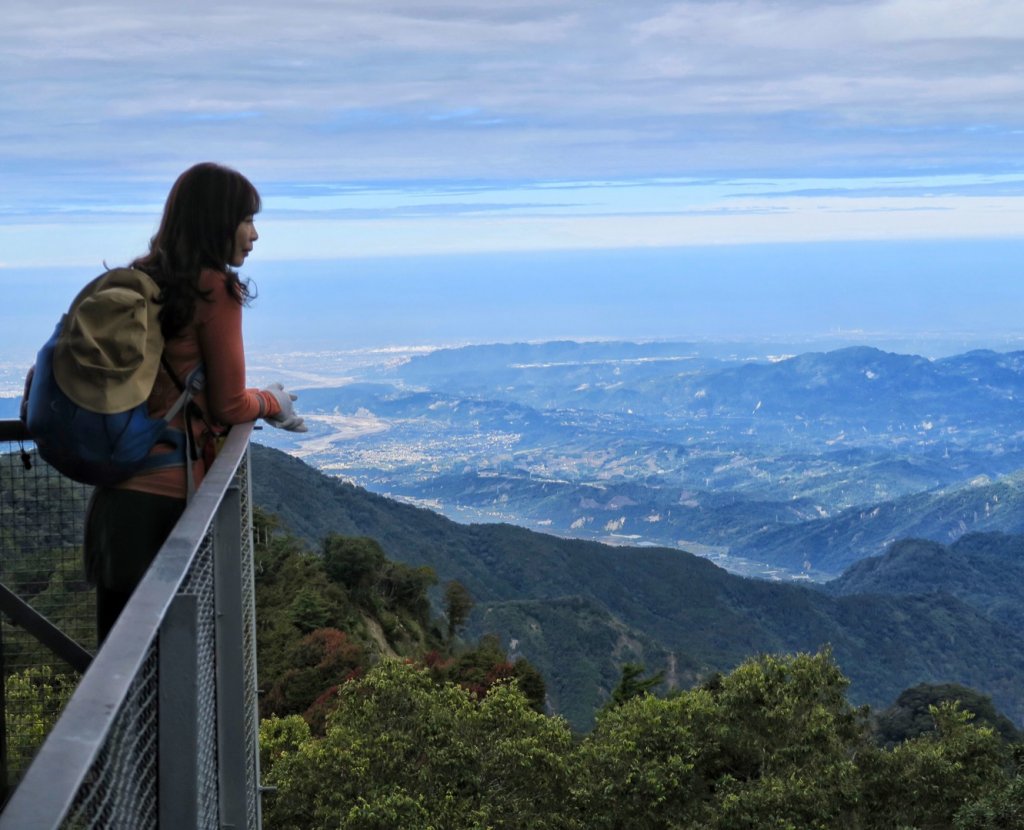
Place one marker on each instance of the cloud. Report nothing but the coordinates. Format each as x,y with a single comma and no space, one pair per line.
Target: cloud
104,103
327,222
518,86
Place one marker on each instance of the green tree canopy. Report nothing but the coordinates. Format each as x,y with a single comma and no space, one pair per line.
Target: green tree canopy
353,561
911,714
632,684
402,751
772,744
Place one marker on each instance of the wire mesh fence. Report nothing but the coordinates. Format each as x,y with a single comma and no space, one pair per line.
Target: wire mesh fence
41,514
200,583
121,787
251,710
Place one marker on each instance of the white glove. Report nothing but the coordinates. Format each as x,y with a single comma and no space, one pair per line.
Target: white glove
286,418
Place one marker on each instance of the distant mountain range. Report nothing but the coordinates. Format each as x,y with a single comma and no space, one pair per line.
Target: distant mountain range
854,390
578,609
782,466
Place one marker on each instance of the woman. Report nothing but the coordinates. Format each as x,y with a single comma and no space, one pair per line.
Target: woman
206,231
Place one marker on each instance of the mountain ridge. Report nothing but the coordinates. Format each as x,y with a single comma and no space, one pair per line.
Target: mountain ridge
780,465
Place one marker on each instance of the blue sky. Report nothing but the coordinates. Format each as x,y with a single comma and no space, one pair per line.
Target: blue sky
814,145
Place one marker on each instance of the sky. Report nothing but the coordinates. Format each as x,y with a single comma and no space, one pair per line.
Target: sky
468,170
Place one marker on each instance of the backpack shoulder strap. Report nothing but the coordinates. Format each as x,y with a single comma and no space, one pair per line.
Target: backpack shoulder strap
194,383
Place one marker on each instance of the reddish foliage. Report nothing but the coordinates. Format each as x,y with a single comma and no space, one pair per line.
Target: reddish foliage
324,658
499,673
329,649
316,715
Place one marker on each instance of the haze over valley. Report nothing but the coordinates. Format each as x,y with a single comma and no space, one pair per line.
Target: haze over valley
771,464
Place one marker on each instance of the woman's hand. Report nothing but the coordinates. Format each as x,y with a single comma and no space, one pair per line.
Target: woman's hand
286,418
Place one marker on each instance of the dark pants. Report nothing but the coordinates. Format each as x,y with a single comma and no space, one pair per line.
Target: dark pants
124,529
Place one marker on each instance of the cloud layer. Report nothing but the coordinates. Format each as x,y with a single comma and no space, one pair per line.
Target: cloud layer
102,104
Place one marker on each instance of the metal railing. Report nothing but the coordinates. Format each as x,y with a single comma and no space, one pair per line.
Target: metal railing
162,729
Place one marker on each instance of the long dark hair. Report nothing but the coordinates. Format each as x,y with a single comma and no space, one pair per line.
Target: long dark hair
204,209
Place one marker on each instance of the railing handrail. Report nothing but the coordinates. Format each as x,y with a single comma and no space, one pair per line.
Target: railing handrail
45,794
13,430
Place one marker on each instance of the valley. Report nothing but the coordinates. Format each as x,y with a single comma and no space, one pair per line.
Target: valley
784,467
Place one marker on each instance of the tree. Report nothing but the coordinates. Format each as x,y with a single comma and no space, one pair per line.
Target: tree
458,603
486,665
404,588
643,766
353,561
309,610
34,699
926,781
911,715
632,684
770,745
320,661
788,742
403,751
1000,809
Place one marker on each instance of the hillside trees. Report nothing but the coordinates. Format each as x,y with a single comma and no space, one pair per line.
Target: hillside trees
325,619
480,667
632,684
770,743
927,781
401,750
773,743
398,731
1002,808
458,603
391,589
910,716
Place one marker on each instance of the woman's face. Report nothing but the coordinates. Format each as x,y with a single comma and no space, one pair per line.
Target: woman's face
245,236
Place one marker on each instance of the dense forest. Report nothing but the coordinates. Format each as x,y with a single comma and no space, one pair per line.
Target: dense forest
378,715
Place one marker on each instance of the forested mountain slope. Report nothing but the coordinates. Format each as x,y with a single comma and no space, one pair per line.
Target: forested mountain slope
666,605
983,570
837,542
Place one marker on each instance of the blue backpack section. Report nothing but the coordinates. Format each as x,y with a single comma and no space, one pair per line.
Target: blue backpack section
95,448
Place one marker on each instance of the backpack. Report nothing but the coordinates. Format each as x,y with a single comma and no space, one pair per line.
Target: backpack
86,398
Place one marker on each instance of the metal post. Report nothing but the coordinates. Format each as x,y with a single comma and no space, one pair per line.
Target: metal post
178,679
232,758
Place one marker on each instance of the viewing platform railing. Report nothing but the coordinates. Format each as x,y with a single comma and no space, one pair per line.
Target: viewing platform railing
162,728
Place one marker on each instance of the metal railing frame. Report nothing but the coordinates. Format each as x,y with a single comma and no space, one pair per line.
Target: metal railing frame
24,615
160,616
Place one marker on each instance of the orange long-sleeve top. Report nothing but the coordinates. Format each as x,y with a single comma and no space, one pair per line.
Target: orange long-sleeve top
214,338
